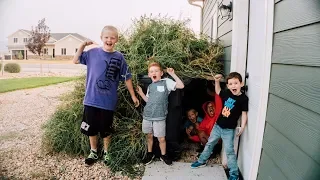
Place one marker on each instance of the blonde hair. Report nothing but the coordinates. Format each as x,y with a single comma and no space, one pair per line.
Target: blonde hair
154,64
192,110
110,28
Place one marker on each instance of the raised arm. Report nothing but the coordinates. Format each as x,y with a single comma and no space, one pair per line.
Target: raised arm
80,50
217,83
179,84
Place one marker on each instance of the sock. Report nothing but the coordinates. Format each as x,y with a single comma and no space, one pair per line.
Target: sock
94,150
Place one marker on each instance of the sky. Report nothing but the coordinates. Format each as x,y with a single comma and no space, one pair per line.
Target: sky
88,17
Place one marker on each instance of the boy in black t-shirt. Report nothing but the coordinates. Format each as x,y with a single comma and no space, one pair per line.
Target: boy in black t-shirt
235,103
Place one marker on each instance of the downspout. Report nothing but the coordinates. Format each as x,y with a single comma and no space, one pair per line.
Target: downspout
201,13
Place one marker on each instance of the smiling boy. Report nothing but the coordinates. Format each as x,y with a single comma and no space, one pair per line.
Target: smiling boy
235,104
105,69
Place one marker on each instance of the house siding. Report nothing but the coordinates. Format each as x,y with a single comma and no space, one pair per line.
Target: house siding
70,43
291,141
223,28
20,35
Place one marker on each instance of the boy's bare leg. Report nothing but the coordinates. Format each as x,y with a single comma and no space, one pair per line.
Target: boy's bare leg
106,143
93,156
150,142
93,142
162,144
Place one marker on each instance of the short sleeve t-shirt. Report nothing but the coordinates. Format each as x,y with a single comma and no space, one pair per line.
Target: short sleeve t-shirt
171,85
189,123
104,72
232,109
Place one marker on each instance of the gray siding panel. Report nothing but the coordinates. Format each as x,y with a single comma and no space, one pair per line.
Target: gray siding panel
294,163
296,123
227,53
294,13
226,40
292,135
225,28
299,46
206,21
297,84
227,65
268,170
227,60
224,33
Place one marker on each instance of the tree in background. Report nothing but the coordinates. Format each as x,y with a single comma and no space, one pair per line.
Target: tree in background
39,36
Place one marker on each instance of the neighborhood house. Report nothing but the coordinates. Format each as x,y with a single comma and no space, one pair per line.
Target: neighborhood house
59,46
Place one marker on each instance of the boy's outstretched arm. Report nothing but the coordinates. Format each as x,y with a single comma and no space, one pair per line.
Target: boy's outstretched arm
131,91
244,118
179,84
217,86
80,50
140,92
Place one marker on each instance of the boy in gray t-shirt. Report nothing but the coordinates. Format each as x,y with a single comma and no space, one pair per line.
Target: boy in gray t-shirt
156,109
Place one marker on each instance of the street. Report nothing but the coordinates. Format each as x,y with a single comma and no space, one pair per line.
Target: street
53,68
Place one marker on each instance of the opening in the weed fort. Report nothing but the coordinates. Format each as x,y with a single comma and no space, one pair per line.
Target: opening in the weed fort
194,95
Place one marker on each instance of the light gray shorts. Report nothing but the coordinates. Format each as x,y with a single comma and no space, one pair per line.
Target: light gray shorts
157,128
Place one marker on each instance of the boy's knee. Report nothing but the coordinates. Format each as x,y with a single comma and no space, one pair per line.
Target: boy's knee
150,136
162,139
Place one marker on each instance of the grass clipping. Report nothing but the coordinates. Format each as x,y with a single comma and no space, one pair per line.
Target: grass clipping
159,39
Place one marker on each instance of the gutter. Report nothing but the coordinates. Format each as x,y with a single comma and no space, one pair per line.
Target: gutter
191,2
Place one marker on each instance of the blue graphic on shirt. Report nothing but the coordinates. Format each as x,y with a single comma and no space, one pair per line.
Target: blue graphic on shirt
228,106
109,75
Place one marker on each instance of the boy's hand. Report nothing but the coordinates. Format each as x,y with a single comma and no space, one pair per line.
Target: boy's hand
188,131
217,77
139,90
241,129
135,101
87,43
170,71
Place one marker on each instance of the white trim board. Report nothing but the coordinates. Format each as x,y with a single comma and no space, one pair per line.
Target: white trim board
260,38
267,21
239,36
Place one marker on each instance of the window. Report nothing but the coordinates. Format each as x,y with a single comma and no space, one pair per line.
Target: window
45,51
25,40
63,51
15,40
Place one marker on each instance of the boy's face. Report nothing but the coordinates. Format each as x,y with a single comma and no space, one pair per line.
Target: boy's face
109,39
155,73
192,116
234,85
210,109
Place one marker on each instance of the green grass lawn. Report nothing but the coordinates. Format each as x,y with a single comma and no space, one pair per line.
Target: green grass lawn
7,85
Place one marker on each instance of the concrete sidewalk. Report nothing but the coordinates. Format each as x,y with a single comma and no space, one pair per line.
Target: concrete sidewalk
182,171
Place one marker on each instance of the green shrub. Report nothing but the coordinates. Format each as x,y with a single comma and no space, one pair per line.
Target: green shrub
0,66
12,68
163,40
62,132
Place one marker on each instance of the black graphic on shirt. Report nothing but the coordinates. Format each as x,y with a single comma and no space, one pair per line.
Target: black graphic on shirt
109,75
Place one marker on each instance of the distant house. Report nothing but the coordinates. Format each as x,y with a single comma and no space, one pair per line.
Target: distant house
59,46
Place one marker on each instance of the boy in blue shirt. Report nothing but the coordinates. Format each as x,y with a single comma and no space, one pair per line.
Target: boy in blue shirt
105,69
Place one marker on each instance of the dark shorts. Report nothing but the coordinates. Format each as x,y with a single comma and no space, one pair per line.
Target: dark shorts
96,120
